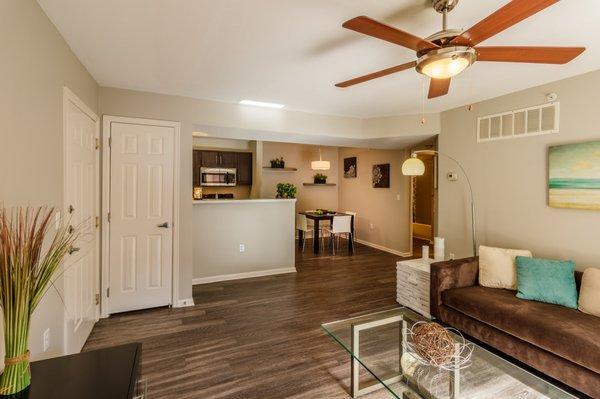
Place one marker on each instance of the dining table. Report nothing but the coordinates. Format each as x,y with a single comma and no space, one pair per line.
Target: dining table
317,218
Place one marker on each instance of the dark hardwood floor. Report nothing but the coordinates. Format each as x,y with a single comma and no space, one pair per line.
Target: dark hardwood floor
259,337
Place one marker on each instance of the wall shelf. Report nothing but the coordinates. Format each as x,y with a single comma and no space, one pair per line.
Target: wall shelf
280,169
318,184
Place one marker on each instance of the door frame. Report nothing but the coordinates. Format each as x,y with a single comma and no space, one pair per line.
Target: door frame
434,211
107,121
70,96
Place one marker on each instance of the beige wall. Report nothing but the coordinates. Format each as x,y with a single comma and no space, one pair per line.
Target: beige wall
36,64
300,156
265,228
382,213
510,177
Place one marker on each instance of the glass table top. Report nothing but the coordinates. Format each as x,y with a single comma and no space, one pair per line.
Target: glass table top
386,363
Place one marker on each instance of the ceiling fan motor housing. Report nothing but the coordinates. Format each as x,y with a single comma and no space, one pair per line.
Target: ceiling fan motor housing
444,5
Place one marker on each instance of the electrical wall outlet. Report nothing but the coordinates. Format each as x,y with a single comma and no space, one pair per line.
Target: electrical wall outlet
371,226
242,248
397,197
46,339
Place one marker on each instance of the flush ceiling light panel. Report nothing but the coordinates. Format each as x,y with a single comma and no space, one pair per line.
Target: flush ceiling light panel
261,104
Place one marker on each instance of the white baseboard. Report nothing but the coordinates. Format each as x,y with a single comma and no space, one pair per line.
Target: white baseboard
184,303
238,276
382,248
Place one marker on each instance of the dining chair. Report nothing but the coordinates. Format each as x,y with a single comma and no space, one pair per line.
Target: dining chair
302,224
353,214
340,225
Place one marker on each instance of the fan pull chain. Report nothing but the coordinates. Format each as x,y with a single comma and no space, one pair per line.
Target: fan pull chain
423,119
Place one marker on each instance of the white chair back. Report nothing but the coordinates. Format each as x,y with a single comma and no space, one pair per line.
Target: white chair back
301,222
341,224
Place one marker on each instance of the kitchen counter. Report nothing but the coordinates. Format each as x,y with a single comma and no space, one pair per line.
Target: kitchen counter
242,201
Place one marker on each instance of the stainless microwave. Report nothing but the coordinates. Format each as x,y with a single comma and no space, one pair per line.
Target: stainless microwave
217,177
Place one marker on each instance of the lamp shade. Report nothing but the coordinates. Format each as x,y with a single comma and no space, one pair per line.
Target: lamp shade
413,167
320,165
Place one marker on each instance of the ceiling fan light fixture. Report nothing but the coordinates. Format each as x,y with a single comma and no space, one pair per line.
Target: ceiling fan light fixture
446,62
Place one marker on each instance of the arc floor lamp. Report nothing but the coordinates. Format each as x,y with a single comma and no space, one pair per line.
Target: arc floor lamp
413,166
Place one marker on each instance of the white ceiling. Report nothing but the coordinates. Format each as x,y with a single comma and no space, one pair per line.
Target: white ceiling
293,51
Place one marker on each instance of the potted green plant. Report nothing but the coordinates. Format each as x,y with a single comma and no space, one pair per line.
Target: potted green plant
286,190
26,274
320,178
278,163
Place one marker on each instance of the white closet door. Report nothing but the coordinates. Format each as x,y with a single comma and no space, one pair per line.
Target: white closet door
141,212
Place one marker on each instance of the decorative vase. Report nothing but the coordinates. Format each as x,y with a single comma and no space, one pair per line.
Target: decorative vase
16,376
318,180
26,272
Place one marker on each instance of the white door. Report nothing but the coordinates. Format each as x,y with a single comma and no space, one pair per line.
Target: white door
141,216
82,266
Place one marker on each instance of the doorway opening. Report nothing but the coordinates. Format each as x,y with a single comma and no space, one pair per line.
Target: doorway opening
423,206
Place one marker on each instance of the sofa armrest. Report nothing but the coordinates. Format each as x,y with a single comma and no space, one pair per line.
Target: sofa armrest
456,273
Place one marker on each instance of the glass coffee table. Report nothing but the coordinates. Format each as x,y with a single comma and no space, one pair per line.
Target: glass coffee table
378,343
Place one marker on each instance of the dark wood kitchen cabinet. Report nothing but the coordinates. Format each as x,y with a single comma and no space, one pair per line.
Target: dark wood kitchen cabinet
210,159
197,164
218,159
242,161
244,168
228,159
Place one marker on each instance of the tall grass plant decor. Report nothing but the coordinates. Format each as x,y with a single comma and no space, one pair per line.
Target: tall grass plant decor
29,259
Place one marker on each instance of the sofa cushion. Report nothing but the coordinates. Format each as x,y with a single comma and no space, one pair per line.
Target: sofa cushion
589,295
547,280
497,267
566,332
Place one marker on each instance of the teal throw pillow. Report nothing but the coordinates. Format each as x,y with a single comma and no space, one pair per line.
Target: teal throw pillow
545,280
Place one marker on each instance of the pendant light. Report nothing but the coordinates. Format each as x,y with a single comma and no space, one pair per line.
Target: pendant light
320,164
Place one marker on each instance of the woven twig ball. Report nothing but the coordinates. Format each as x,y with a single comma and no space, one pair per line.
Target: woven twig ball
433,342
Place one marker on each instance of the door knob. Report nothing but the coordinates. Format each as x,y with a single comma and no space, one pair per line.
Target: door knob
164,225
73,249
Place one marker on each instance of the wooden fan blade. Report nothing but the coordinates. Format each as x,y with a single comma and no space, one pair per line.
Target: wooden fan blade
438,87
377,74
538,55
507,16
368,26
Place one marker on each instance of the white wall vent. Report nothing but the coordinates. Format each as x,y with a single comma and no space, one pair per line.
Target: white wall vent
525,122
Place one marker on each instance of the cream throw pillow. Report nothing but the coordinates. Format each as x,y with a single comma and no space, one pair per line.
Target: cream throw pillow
497,267
589,294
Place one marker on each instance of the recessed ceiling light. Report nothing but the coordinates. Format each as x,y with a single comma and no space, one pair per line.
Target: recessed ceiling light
261,104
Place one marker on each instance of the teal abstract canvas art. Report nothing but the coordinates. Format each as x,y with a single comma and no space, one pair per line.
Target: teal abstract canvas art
574,176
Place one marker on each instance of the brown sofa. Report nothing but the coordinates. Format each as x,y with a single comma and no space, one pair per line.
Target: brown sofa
560,342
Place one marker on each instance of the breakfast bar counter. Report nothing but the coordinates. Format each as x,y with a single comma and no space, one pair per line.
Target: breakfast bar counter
239,238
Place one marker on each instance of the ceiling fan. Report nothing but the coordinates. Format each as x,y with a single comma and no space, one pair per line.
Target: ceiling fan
449,52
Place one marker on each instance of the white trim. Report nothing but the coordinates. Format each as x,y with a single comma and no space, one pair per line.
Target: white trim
238,276
107,121
69,96
382,248
184,303
241,201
